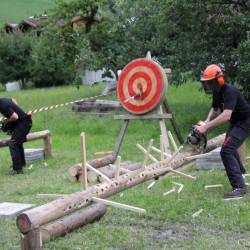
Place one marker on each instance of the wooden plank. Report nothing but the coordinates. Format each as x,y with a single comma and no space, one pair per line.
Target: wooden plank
213,186
193,157
84,169
182,174
143,117
119,205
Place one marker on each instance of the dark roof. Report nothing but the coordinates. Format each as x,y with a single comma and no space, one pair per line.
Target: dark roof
33,22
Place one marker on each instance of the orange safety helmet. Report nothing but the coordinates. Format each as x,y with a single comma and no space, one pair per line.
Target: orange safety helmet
213,71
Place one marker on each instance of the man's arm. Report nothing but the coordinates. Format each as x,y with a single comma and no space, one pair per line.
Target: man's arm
13,118
213,113
222,118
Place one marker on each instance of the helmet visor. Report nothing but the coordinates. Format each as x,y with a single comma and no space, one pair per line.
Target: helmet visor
209,86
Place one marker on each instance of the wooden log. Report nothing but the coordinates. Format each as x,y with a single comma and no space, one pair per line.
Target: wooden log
100,105
92,177
73,221
75,170
109,171
54,210
99,173
45,135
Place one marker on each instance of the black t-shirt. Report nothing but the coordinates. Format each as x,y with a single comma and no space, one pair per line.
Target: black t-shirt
8,107
230,98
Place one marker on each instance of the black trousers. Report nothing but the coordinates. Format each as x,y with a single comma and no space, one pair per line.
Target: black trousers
235,136
21,129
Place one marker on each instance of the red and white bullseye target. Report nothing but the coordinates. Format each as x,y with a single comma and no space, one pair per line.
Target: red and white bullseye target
142,86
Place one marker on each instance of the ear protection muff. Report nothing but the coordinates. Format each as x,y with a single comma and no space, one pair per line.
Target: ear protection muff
220,78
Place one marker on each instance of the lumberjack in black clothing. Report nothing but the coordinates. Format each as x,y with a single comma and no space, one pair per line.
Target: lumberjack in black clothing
21,124
234,109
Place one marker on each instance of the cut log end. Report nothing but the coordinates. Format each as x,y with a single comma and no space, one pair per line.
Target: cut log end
23,223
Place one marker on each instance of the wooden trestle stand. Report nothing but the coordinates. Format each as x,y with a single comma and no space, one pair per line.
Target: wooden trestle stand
141,88
158,116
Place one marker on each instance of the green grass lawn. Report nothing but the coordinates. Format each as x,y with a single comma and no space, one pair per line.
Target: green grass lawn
14,11
168,223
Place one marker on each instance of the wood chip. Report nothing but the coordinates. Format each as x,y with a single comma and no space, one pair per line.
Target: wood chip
213,186
197,213
169,192
151,185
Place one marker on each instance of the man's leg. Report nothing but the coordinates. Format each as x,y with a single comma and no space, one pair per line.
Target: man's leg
16,145
21,150
235,137
229,159
15,155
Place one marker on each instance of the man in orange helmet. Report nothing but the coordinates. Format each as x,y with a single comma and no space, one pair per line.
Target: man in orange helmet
233,109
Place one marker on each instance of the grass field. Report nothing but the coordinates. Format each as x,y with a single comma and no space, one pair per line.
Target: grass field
168,223
17,10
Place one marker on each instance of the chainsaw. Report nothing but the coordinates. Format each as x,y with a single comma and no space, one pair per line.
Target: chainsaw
7,126
197,140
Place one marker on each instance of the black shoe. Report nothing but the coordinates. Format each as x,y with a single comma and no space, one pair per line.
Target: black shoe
15,172
235,193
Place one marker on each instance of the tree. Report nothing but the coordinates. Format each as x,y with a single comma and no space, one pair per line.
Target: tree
129,29
205,32
15,57
184,35
53,63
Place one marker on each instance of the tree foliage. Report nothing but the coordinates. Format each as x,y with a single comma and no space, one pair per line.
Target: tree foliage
184,35
16,57
53,63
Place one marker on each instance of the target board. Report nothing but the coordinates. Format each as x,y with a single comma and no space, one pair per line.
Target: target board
142,86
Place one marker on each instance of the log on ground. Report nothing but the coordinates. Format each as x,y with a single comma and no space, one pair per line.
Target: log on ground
75,170
99,105
54,210
73,221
